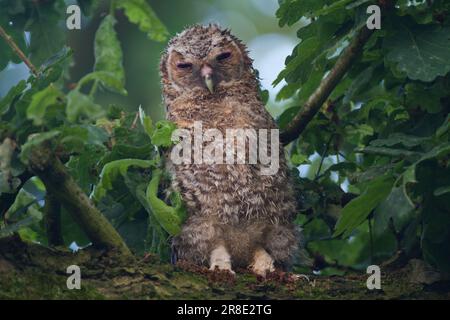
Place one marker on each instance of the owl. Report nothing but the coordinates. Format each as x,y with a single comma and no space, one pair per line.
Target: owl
237,217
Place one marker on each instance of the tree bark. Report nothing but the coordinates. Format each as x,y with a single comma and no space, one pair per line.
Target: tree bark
52,219
65,190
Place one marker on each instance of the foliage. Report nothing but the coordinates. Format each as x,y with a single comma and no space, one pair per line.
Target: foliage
111,157
139,12
372,166
382,136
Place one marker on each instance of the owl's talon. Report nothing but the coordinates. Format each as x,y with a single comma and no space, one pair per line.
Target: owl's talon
221,260
262,263
222,268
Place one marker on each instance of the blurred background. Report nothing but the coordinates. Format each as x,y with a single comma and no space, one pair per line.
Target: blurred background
253,21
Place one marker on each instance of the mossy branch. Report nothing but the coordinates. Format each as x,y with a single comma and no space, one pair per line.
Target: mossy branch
65,190
323,91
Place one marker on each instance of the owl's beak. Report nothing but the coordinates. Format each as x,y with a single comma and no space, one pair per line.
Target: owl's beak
207,74
209,83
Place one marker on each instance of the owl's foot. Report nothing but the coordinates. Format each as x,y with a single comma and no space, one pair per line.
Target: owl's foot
220,258
262,263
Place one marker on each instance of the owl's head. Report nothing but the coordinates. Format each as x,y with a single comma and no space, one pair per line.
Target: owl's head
203,58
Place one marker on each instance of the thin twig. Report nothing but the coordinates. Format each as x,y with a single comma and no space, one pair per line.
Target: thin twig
327,146
134,124
9,40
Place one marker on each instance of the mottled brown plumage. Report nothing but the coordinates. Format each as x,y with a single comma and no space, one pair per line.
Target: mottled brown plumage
237,217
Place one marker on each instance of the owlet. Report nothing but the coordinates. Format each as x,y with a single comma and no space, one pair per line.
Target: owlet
237,216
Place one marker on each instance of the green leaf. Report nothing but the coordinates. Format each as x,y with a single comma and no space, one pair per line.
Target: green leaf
264,94
444,128
76,138
291,11
122,207
162,134
427,98
389,152
124,151
437,152
409,175
83,167
335,5
440,191
24,204
15,91
59,57
139,12
357,210
105,78
108,53
285,118
397,207
356,3
298,159
40,102
6,54
35,141
81,106
15,227
361,130
421,51
356,134
113,170
146,122
304,52
47,37
316,229
170,218
88,7
398,138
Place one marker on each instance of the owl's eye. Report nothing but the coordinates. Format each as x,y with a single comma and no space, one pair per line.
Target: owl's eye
223,56
184,65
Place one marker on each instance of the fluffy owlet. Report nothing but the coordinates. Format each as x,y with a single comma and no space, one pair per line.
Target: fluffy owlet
237,217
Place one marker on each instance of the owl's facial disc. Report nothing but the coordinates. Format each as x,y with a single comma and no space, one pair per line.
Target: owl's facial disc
209,69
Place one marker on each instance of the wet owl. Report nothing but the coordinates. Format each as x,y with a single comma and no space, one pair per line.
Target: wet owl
237,217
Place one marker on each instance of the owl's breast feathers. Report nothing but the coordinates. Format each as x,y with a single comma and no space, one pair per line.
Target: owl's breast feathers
232,192
235,193
230,107
207,76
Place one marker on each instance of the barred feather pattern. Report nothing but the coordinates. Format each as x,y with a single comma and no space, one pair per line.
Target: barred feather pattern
228,204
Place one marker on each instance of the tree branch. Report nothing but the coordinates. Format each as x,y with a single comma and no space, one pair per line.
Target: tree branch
63,187
9,40
52,216
319,96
